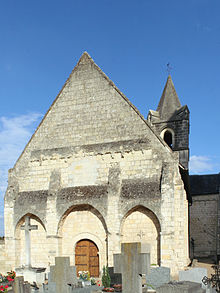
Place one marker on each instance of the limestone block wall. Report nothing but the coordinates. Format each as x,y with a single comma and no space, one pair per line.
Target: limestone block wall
88,168
39,245
2,257
203,229
139,227
174,224
121,181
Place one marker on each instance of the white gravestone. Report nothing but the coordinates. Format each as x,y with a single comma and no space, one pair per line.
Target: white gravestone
131,263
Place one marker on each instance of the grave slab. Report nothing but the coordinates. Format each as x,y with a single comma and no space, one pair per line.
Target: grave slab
181,287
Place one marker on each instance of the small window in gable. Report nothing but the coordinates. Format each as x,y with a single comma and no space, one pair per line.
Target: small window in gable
168,137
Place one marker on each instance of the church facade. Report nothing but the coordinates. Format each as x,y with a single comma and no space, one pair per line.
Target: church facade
96,174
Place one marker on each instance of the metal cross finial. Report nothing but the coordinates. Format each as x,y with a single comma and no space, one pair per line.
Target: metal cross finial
169,68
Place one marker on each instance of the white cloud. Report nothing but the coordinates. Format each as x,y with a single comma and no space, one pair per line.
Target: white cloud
14,134
200,164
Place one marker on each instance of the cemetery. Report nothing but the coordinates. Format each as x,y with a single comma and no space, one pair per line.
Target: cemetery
131,269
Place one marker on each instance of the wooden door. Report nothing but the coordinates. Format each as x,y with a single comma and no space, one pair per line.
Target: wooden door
87,257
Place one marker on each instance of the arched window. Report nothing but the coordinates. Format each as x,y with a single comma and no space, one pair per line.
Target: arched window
168,136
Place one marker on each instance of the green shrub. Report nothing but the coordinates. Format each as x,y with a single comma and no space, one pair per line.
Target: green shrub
106,280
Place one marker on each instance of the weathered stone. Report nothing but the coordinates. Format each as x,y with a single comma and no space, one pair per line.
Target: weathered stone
181,287
158,276
131,263
19,286
61,275
194,275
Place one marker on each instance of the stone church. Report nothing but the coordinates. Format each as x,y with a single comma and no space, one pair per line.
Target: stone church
96,174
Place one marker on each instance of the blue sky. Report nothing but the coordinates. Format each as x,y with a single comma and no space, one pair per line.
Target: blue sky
132,41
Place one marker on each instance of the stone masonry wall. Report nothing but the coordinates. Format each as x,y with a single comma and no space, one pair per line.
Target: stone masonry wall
203,229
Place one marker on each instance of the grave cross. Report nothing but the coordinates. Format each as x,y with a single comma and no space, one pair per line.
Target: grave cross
61,275
27,228
131,263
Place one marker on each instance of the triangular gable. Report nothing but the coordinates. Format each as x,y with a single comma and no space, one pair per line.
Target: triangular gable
89,109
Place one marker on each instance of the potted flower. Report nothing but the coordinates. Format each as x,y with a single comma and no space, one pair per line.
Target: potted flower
108,290
4,288
85,277
118,287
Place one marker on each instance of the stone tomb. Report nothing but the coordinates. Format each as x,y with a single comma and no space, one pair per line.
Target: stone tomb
131,263
19,286
181,287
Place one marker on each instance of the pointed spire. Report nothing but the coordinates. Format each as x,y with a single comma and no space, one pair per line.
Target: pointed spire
169,101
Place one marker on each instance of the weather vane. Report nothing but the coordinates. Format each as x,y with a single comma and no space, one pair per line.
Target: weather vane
169,68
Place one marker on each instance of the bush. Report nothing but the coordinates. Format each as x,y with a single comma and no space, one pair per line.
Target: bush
106,280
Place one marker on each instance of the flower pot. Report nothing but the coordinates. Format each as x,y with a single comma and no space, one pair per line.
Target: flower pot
108,290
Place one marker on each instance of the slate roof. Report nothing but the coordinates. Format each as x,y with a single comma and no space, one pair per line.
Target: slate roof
169,101
204,184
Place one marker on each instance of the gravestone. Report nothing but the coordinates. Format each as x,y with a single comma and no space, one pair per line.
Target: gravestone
193,275
158,276
131,263
115,278
181,287
19,286
61,275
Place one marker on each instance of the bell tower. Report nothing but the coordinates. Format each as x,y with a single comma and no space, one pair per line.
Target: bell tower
171,122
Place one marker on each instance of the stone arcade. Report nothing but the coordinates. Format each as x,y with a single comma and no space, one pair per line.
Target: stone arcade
96,174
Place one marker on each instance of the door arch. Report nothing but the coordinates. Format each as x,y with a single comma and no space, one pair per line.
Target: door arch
87,257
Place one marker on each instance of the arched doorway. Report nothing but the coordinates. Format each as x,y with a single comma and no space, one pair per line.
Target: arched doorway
87,257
